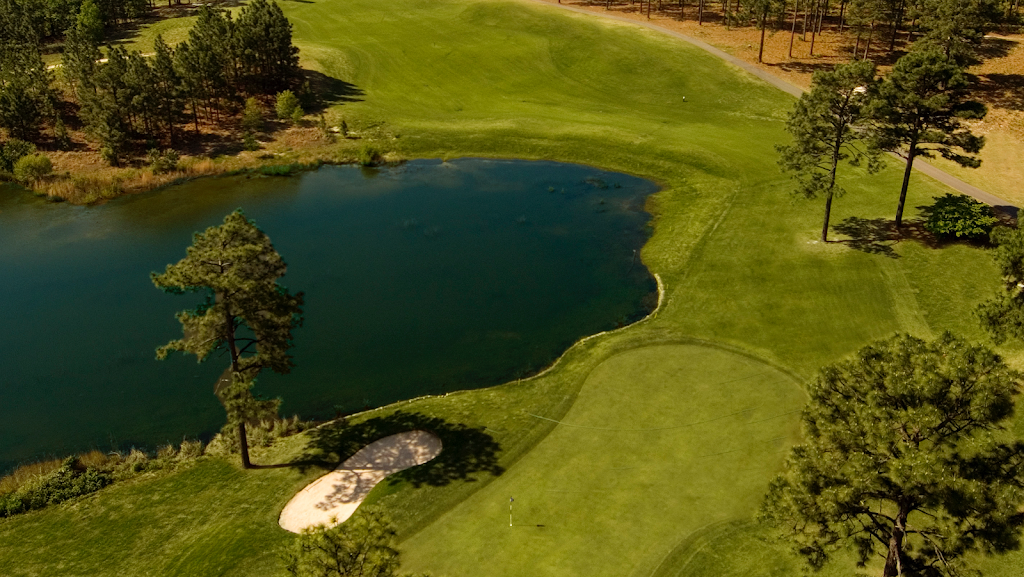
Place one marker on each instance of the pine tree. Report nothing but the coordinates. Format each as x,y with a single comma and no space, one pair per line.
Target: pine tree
168,103
1003,316
827,125
904,459
237,268
956,27
26,98
919,111
267,59
90,21
79,60
206,62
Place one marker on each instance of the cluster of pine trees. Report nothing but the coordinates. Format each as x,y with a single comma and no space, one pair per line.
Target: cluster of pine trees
122,96
957,25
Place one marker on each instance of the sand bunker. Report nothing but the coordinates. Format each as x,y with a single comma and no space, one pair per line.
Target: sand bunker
333,498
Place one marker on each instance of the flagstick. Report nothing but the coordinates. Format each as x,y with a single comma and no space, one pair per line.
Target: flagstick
510,499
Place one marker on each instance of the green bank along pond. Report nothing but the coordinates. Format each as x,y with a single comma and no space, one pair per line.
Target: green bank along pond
420,279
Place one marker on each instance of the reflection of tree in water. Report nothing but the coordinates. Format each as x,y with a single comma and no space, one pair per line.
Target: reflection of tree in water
467,450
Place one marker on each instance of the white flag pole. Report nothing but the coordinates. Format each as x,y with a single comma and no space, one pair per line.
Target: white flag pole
510,499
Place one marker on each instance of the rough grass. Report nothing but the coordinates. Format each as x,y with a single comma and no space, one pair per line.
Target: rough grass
741,267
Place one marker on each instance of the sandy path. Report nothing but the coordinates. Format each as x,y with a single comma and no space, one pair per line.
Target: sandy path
919,164
333,498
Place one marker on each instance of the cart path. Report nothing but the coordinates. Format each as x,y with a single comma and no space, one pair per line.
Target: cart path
794,90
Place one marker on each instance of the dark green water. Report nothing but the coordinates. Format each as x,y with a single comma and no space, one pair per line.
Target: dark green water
421,279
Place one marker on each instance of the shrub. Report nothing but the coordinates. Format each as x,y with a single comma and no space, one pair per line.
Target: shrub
60,135
166,452
109,155
26,474
252,116
12,151
161,162
369,155
297,114
63,484
325,131
32,167
279,169
249,142
960,216
286,105
190,450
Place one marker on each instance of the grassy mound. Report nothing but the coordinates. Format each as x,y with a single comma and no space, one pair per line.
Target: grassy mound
740,265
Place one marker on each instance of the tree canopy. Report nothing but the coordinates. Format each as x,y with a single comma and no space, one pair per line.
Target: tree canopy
364,546
827,125
919,112
246,312
904,457
1003,315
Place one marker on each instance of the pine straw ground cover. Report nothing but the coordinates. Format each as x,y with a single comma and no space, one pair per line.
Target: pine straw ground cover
753,305
999,78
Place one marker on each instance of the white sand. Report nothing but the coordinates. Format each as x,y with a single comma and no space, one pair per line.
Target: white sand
333,498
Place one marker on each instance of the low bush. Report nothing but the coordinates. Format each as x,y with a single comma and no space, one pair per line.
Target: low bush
46,483
63,484
286,105
369,155
960,216
249,142
161,162
12,151
279,169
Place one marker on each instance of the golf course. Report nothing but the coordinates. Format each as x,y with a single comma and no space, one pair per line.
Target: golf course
643,451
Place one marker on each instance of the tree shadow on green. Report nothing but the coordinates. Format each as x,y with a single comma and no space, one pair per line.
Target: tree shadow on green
468,451
330,90
870,235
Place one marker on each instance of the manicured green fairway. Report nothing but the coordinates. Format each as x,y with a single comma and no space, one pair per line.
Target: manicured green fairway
742,270
661,442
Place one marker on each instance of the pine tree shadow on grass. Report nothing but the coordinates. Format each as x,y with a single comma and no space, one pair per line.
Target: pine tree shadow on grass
879,235
467,451
871,235
330,90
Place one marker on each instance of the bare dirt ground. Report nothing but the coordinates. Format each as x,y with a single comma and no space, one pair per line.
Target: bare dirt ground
999,77
334,497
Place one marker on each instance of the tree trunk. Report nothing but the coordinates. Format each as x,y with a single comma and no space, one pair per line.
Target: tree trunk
828,212
243,443
243,440
837,147
764,24
911,153
700,12
792,33
814,20
871,34
842,15
894,560
803,32
896,26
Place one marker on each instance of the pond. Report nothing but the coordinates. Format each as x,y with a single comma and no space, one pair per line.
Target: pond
424,278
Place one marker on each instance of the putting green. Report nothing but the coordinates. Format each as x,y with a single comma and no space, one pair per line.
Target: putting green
662,441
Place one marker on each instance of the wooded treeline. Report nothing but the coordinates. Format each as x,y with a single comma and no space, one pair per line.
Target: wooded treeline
956,25
121,96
